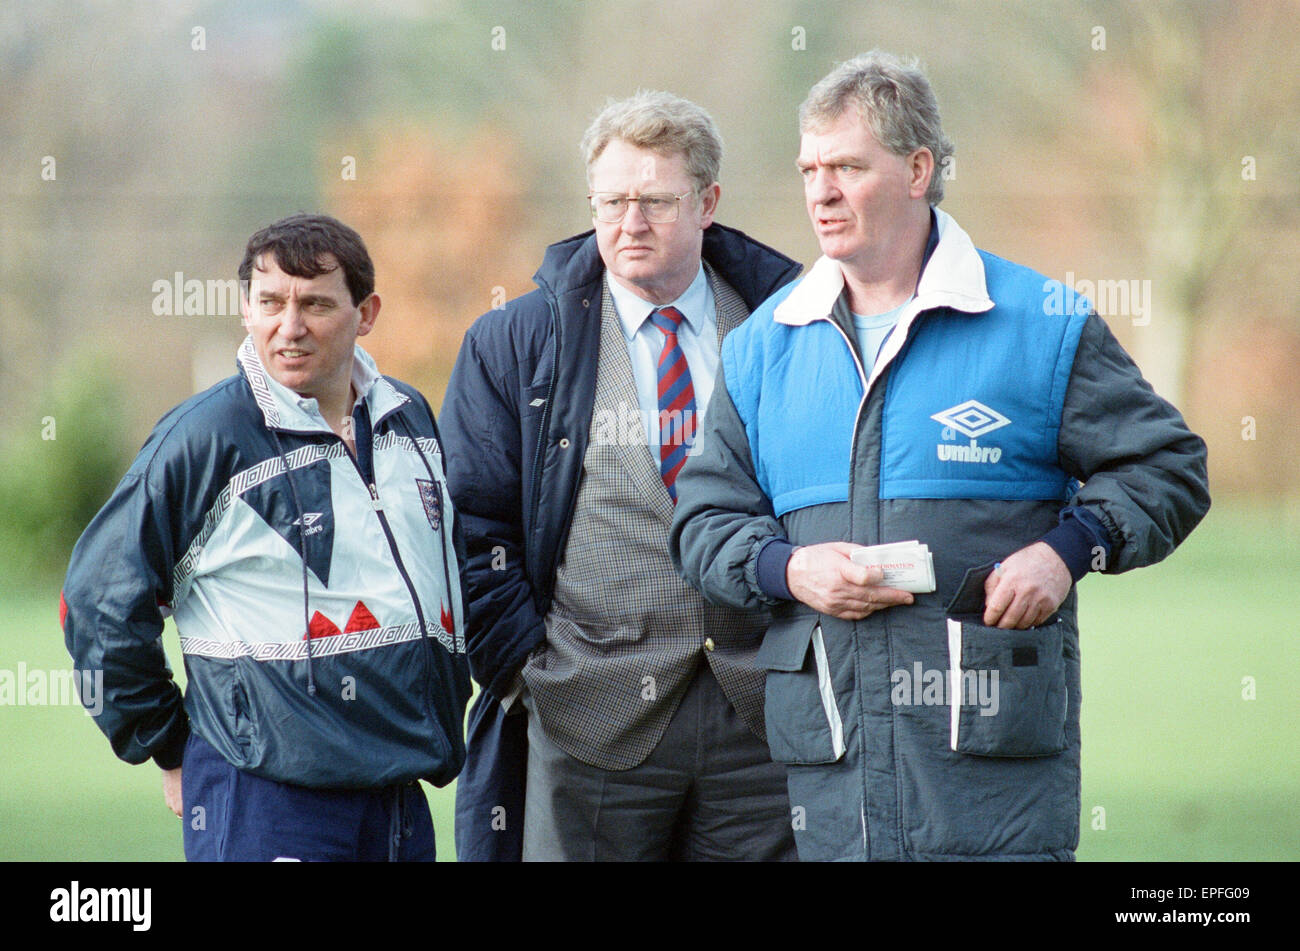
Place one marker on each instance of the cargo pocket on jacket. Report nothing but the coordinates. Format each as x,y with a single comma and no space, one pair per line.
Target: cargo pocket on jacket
803,719
1007,688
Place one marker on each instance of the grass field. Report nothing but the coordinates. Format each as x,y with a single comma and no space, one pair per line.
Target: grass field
1177,764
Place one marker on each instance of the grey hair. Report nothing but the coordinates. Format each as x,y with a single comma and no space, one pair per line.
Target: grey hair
659,122
893,97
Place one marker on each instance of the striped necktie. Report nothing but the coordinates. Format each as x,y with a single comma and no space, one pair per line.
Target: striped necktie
676,400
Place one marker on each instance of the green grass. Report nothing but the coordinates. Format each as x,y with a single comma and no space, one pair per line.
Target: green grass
1183,766
64,796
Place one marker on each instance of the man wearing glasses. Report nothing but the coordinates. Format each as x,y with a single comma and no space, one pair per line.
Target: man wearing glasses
569,414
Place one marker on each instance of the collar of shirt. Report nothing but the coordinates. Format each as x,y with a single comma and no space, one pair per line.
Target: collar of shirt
633,311
364,376
286,410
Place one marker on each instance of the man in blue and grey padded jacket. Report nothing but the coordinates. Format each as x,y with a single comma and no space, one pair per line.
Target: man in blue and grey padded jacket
914,388
295,520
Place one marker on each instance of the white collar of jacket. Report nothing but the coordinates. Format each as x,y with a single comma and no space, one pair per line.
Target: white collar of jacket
953,277
285,410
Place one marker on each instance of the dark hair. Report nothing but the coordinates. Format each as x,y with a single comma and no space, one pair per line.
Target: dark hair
300,244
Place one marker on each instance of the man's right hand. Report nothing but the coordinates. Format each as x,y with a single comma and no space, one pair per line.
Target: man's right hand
824,578
172,790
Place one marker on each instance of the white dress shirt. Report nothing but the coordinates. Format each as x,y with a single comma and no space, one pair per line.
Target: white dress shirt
697,335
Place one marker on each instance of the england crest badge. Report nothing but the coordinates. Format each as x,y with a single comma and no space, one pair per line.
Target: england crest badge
432,499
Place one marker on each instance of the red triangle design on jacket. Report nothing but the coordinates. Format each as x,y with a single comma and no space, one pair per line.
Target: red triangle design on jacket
361,620
321,626
446,620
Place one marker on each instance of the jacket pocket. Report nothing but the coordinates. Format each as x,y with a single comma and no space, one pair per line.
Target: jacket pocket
1007,689
241,721
803,719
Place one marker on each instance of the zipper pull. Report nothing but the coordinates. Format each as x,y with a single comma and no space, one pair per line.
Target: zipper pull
375,504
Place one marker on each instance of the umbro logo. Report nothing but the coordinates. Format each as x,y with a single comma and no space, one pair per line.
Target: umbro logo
973,419
307,521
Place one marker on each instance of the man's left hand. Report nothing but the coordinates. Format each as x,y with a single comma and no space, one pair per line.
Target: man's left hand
1031,584
172,789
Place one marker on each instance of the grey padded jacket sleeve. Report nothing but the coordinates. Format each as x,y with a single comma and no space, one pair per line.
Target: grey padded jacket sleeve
722,518
1144,471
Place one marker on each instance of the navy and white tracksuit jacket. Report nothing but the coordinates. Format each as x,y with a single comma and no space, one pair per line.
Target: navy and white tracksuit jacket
248,518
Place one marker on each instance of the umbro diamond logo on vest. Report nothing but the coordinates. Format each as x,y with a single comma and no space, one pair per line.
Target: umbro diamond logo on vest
972,419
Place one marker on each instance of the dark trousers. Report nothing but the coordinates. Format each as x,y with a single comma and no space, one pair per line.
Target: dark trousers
233,816
708,792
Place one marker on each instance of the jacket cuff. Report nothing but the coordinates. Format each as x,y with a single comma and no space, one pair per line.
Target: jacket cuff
771,562
498,676
1076,540
170,756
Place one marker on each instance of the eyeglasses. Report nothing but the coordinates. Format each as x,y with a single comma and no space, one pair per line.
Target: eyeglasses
658,208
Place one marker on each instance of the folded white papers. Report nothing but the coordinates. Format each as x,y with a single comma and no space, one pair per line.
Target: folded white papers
908,565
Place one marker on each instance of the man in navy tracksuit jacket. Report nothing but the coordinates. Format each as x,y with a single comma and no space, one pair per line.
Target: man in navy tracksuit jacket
913,387
295,520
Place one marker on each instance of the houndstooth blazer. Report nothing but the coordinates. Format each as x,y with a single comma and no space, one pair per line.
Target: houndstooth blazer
625,634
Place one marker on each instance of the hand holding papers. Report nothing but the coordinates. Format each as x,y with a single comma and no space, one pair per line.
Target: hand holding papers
907,565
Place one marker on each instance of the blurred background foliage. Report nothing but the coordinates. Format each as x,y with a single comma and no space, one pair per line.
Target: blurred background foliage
144,141
52,483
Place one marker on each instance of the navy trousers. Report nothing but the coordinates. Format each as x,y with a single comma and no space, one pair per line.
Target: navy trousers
233,816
